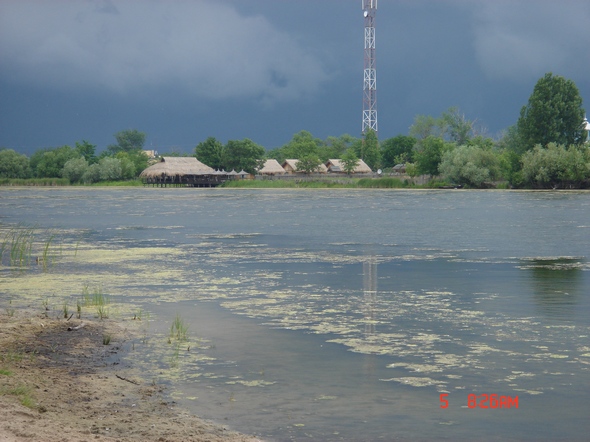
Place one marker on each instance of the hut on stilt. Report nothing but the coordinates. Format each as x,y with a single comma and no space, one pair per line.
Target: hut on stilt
182,172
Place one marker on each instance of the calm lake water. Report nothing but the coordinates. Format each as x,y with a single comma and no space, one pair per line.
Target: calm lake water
344,315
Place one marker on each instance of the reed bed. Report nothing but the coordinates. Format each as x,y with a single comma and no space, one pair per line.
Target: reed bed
22,245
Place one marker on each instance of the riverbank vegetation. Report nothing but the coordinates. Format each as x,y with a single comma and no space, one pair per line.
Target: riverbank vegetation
547,147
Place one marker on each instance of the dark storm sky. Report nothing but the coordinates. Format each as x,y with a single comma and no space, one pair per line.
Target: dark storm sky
181,71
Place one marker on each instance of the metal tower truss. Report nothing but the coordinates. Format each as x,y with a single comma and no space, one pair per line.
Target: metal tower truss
370,73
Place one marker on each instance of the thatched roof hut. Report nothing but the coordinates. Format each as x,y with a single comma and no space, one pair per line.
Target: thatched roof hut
336,166
271,167
186,171
290,166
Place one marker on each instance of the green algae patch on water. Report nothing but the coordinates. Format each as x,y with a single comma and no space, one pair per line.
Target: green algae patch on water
415,381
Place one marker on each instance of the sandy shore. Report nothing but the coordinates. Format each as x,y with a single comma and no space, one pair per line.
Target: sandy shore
56,386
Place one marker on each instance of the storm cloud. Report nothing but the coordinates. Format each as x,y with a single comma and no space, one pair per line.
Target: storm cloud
183,70
519,40
207,48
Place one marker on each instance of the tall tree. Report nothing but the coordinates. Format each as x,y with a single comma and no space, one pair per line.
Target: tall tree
554,114
210,152
309,163
370,153
127,141
428,154
86,150
243,155
427,126
335,147
397,150
302,144
349,161
457,127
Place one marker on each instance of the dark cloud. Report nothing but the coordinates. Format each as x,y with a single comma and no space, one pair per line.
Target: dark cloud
182,70
518,40
206,46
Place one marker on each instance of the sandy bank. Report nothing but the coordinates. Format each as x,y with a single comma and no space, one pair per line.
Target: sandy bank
56,385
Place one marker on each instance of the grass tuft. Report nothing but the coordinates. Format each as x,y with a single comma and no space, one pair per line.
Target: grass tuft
179,329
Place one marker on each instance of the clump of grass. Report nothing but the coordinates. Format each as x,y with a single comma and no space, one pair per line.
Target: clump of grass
47,257
96,298
5,372
10,310
46,307
65,310
179,329
23,393
178,334
106,339
17,243
11,356
102,311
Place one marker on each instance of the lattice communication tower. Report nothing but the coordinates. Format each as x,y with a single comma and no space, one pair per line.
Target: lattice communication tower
370,73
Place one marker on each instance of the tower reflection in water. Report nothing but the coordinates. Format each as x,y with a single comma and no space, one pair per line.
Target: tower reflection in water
370,293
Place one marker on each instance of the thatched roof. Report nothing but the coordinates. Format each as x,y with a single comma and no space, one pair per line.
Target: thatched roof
177,166
271,167
338,166
291,164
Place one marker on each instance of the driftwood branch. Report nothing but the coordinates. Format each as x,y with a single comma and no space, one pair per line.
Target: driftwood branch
128,380
78,327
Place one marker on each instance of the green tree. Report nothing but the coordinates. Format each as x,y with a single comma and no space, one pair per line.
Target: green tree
370,152
75,169
128,168
428,154
302,144
110,169
335,147
556,166
127,141
396,150
86,150
49,163
349,161
211,153
470,165
427,126
554,114
451,126
13,164
243,155
92,174
457,127
132,163
412,170
309,163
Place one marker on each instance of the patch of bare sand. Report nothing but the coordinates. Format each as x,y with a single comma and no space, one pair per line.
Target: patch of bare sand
72,394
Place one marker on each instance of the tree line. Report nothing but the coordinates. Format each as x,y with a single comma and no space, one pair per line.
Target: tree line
121,161
546,148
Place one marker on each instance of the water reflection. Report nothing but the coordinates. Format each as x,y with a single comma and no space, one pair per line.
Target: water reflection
557,286
370,293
